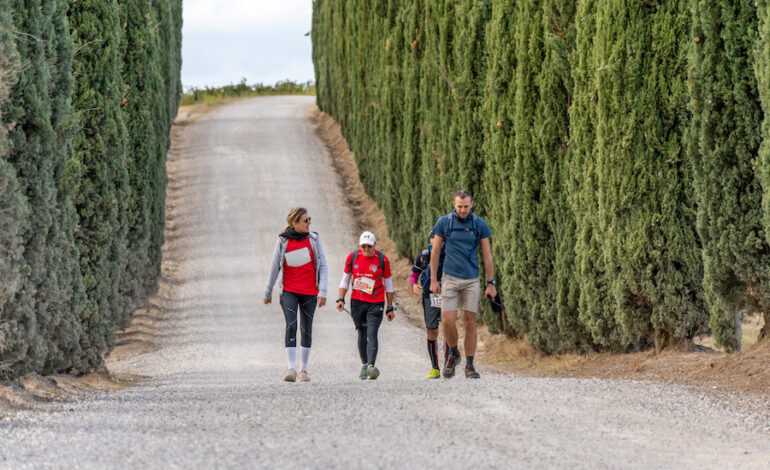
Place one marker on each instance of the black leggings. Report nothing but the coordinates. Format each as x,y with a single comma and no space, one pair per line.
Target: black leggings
367,317
291,302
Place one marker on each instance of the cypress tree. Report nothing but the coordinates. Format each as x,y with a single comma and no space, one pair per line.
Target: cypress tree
13,205
722,143
595,303
412,115
762,68
553,128
100,147
42,325
649,248
141,87
166,20
436,96
498,113
531,256
391,101
64,333
464,166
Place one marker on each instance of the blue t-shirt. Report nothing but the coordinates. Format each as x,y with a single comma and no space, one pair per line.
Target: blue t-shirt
461,259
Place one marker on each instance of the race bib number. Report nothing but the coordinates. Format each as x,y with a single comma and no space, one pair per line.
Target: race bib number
435,300
297,258
364,284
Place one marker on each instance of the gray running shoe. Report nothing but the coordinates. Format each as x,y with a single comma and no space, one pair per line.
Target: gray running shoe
451,363
290,375
470,372
362,375
372,372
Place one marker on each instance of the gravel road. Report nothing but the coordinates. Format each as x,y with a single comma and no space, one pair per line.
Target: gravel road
215,398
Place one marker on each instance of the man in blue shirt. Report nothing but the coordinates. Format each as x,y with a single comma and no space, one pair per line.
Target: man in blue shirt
461,232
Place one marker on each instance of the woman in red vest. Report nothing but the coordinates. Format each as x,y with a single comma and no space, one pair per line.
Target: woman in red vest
299,255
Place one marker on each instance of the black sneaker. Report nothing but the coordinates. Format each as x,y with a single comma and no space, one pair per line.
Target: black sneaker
470,372
451,363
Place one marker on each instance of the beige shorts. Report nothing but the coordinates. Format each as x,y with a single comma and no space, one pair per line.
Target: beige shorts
456,292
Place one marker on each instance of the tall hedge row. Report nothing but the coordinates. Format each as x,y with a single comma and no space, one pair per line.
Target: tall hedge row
612,148
82,167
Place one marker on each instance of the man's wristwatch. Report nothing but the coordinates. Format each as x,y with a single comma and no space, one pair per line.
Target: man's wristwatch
341,299
389,309
492,281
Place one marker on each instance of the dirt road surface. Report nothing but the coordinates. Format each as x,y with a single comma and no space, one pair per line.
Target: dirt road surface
215,399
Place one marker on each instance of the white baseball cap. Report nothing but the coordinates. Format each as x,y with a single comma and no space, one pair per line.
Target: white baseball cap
367,238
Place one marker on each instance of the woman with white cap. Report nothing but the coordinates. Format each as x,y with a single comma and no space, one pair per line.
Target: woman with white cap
299,255
369,272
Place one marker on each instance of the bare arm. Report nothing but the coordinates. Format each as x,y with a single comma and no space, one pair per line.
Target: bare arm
489,267
435,255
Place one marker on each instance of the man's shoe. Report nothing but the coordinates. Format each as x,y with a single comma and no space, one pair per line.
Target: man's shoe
372,372
303,377
290,375
362,375
470,372
451,363
433,374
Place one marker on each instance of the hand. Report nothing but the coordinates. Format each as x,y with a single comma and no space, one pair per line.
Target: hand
490,291
266,301
435,287
416,289
391,314
340,305
321,301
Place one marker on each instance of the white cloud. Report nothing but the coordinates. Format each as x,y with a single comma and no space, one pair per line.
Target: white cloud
233,16
226,40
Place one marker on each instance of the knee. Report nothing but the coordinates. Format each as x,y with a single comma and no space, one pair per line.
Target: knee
433,334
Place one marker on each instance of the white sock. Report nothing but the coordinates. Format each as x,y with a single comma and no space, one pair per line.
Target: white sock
291,356
304,355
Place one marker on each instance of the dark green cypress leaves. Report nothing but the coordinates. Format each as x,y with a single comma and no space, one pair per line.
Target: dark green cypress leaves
723,141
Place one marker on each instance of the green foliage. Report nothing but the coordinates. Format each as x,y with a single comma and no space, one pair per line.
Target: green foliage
762,68
14,210
79,244
498,110
568,120
553,130
141,86
100,148
595,304
41,324
645,213
722,144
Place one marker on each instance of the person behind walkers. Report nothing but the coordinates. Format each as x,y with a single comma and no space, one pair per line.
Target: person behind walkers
461,233
299,254
369,272
431,303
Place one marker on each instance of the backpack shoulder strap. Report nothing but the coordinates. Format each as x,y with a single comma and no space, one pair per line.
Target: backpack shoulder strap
353,257
450,225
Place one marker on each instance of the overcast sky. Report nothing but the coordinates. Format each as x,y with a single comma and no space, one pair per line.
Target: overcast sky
261,40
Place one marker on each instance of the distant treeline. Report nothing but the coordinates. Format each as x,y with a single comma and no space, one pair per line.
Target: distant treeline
88,90
619,151
287,87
